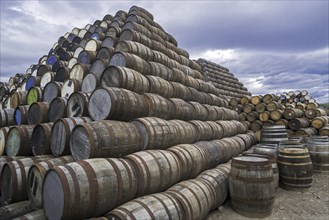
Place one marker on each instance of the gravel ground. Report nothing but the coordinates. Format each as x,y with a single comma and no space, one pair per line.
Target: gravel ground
309,205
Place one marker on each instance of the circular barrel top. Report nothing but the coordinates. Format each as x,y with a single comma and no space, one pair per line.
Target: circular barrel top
100,104
89,83
13,142
293,150
80,142
53,195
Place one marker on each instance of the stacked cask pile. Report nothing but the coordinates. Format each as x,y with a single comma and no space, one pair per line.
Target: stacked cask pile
121,92
222,79
305,118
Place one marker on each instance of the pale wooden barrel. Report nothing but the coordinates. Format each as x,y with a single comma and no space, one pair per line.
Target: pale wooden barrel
33,215
159,106
15,209
18,141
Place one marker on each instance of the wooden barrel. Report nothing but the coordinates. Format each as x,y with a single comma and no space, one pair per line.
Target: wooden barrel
158,205
13,179
77,104
3,138
96,196
57,109
21,114
306,132
18,98
160,86
33,215
264,116
38,113
46,78
295,168
79,71
51,91
324,131
267,98
273,134
155,133
245,100
256,125
185,132
298,123
7,117
320,112
218,180
18,141
86,57
34,95
196,197
36,174
205,131
252,193
40,139
273,106
192,158
63,73
159,106
104,139
117,104
291,113
276,114
61,134
183,110
70,86
158,170
255,100
318,147
201,112
320,122
130,61
14,210
135,48
116,76
252,116
90,83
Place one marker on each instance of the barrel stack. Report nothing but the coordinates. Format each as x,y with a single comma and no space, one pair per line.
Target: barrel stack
298,113
115,111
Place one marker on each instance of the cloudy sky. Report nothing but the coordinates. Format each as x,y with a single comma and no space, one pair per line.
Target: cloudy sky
271,46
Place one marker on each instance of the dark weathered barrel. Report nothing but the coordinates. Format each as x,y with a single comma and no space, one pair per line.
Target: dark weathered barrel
295,168
13,179
36,175
51,91
298,123
158,170
159,107
20,114
116,76
118,104
273,134
155,133
324,131
306,132
57,109
154,206
130,61
40,139
38,113
14,210
192,158
252,193
205,131
77,104
183,110
18,141
318,147
7,117
61,134
195,196
185,132
84,194
18,98
291,113
104,139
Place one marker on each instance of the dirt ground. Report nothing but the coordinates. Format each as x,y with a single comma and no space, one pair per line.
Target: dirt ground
309,205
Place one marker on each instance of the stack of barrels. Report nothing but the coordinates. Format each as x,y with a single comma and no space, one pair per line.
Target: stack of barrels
222,79
115,111
299,118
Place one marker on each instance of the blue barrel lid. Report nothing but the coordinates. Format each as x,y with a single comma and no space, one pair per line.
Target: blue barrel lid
18,116
51,60
30,82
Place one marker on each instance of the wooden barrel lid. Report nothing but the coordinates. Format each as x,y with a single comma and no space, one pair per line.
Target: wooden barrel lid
77,104
100,104
108,42
57,109
70,86
13,142
46,78
90,83
51,91
248,160
34,95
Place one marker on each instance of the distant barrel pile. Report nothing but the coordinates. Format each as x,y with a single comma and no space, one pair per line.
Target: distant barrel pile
297,111
114,112
222,79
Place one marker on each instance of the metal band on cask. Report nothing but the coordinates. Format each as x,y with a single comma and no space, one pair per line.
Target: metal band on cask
18,141
77,104
40,139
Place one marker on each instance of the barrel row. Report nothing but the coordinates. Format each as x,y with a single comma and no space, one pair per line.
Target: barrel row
67,135
198,157
106,196
222,79
190,199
